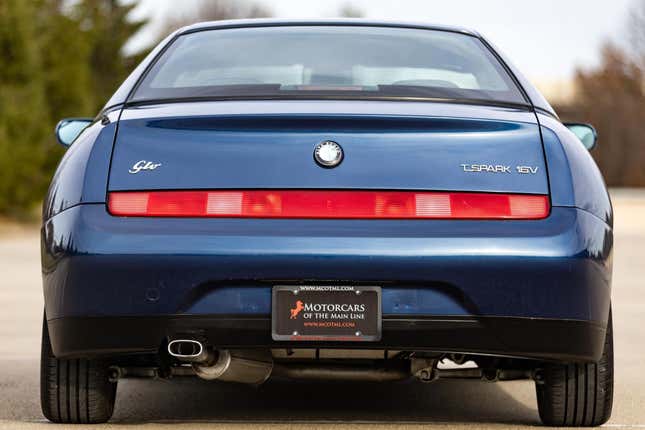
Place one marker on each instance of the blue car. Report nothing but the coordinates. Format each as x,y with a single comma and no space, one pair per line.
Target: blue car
329,200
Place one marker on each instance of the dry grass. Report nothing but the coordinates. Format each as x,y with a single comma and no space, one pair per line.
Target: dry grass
9,227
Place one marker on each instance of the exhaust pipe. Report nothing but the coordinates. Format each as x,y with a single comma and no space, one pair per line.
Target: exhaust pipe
340,372
256,366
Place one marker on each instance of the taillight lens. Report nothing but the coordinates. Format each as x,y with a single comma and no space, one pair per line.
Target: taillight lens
328,204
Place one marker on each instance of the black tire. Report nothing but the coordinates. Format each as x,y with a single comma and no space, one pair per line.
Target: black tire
578,394
74,391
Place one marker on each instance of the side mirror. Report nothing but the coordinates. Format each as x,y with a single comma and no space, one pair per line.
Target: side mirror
67,130
586,133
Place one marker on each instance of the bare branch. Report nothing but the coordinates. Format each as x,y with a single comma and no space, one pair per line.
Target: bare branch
636,31
215,10
348,10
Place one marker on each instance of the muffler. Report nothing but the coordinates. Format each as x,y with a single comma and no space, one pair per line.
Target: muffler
246,367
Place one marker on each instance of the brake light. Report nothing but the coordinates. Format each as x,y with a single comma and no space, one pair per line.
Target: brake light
328,204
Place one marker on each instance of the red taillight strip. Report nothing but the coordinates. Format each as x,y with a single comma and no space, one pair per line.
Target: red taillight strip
328,204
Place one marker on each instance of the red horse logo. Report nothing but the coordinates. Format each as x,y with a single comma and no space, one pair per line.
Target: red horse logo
295,311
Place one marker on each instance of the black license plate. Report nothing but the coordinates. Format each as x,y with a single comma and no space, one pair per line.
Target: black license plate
326,313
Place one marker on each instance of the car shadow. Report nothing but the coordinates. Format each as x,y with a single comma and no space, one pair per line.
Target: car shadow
187,399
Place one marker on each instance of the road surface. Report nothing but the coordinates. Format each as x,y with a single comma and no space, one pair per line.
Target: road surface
195,404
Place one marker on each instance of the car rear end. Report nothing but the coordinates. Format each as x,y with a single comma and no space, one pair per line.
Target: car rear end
462,261
226,247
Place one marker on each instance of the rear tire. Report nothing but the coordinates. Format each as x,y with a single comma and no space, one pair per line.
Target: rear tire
74,391
578,394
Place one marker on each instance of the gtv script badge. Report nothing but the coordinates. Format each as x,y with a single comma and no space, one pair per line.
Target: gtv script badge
143,165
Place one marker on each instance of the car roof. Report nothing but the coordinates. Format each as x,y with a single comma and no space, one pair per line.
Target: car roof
359,22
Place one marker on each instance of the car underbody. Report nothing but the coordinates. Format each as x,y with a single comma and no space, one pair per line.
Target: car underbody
256,366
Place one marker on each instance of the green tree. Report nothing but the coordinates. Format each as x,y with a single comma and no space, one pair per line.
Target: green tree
23,110
57,59
65,60
105,25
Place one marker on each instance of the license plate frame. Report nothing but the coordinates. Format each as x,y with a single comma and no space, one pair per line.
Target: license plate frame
308,323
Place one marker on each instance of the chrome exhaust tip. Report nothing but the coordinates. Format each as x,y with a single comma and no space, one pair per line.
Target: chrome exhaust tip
188,350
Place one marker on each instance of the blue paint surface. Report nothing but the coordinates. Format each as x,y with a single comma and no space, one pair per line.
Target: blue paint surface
257,300
409,147
96,264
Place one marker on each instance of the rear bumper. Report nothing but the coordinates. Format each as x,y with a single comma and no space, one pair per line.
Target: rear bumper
535,289
509,337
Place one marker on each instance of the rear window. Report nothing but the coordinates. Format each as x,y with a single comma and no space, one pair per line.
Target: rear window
328,62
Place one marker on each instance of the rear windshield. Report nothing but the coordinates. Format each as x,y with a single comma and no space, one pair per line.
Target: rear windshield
328,62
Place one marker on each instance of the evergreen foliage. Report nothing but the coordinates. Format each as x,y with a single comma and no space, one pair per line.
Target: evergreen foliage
57,60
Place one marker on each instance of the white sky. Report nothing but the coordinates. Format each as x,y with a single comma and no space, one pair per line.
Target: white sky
546,39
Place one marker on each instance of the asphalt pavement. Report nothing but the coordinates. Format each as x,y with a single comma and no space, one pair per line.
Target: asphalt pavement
187,403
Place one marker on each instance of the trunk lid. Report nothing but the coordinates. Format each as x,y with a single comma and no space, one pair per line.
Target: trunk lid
270,145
